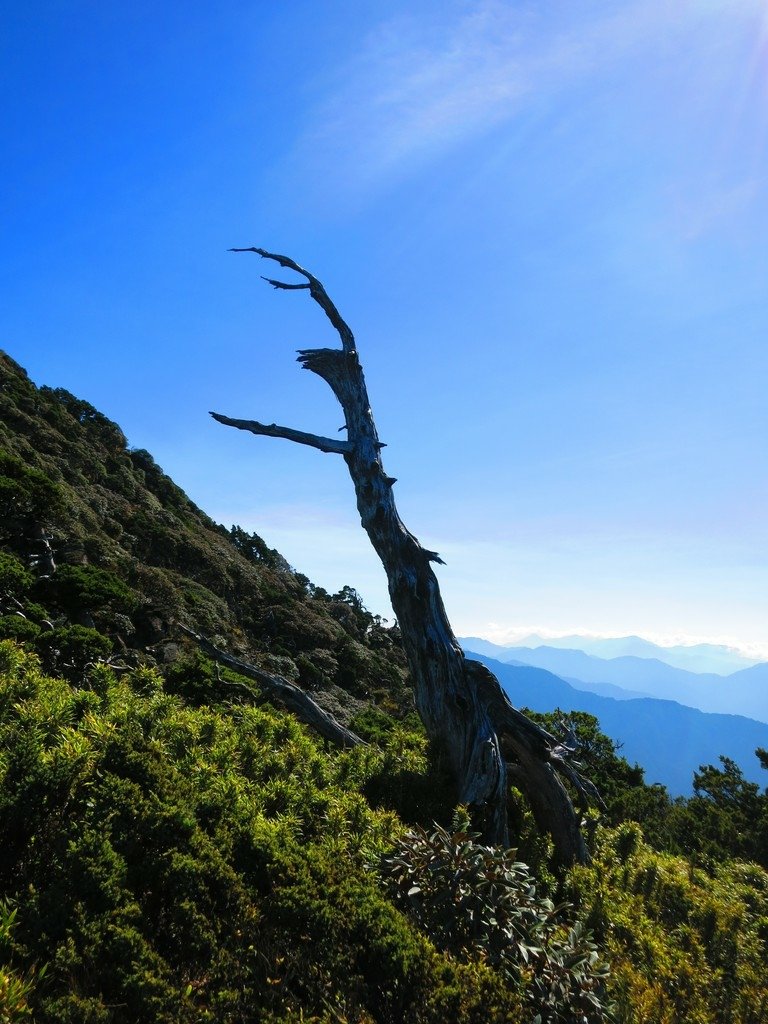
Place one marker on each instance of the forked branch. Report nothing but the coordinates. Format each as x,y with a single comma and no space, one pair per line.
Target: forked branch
316,290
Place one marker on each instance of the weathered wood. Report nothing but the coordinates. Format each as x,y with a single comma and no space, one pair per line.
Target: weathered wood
463,707
291,696
324,444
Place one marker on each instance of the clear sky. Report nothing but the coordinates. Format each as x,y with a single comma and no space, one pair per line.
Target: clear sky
546,222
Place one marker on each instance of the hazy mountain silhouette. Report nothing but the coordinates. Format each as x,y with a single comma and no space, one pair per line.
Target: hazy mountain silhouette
741,693
714,658
669,740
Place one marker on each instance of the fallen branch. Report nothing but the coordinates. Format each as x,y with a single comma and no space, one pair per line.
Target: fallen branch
290,696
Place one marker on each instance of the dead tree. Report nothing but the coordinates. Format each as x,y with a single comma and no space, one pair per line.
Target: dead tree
465,712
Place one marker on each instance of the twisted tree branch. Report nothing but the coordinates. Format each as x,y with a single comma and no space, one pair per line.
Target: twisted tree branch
316,290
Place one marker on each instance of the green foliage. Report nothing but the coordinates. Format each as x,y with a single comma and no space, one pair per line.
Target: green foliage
194,678
15,579
683,944
255,549
727,815
26,494
97,424
15,627
155,480
70,649
177,864
76,587
621,785
15,989
474,900
410,776
347,607
373,725
348,931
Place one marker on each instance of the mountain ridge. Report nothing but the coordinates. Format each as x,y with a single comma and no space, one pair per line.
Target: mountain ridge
667,739
744,692
78,506
700,657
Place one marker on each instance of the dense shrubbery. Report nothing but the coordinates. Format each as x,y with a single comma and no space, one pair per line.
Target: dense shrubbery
175,863
78,587
27,496
134,555
170,863
70,650
684,944
15,579
726,817
15,988
108,433
476,901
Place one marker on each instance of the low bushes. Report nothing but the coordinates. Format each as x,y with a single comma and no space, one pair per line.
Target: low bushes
176,864
479,902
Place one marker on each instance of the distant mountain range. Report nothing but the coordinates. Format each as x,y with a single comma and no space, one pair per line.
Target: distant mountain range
669,740
744,692
715,658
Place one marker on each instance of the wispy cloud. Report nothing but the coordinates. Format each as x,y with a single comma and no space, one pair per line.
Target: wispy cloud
420,86
706,207
415,90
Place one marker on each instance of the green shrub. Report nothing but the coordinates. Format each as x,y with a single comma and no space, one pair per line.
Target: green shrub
683,945
101,429
373,725
15,627
181,864
411,777
70,649
15,988
15,579
77,587
27,496
35,612
477,901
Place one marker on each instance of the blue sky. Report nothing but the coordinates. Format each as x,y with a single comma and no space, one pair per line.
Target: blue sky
547,224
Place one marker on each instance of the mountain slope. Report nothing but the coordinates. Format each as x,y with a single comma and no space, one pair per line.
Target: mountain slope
744,692
109,541
176,850
668,740
106,540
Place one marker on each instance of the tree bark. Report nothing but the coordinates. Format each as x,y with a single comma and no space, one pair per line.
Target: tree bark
464,709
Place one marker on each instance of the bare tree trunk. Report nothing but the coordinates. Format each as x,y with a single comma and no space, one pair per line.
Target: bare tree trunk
462,705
